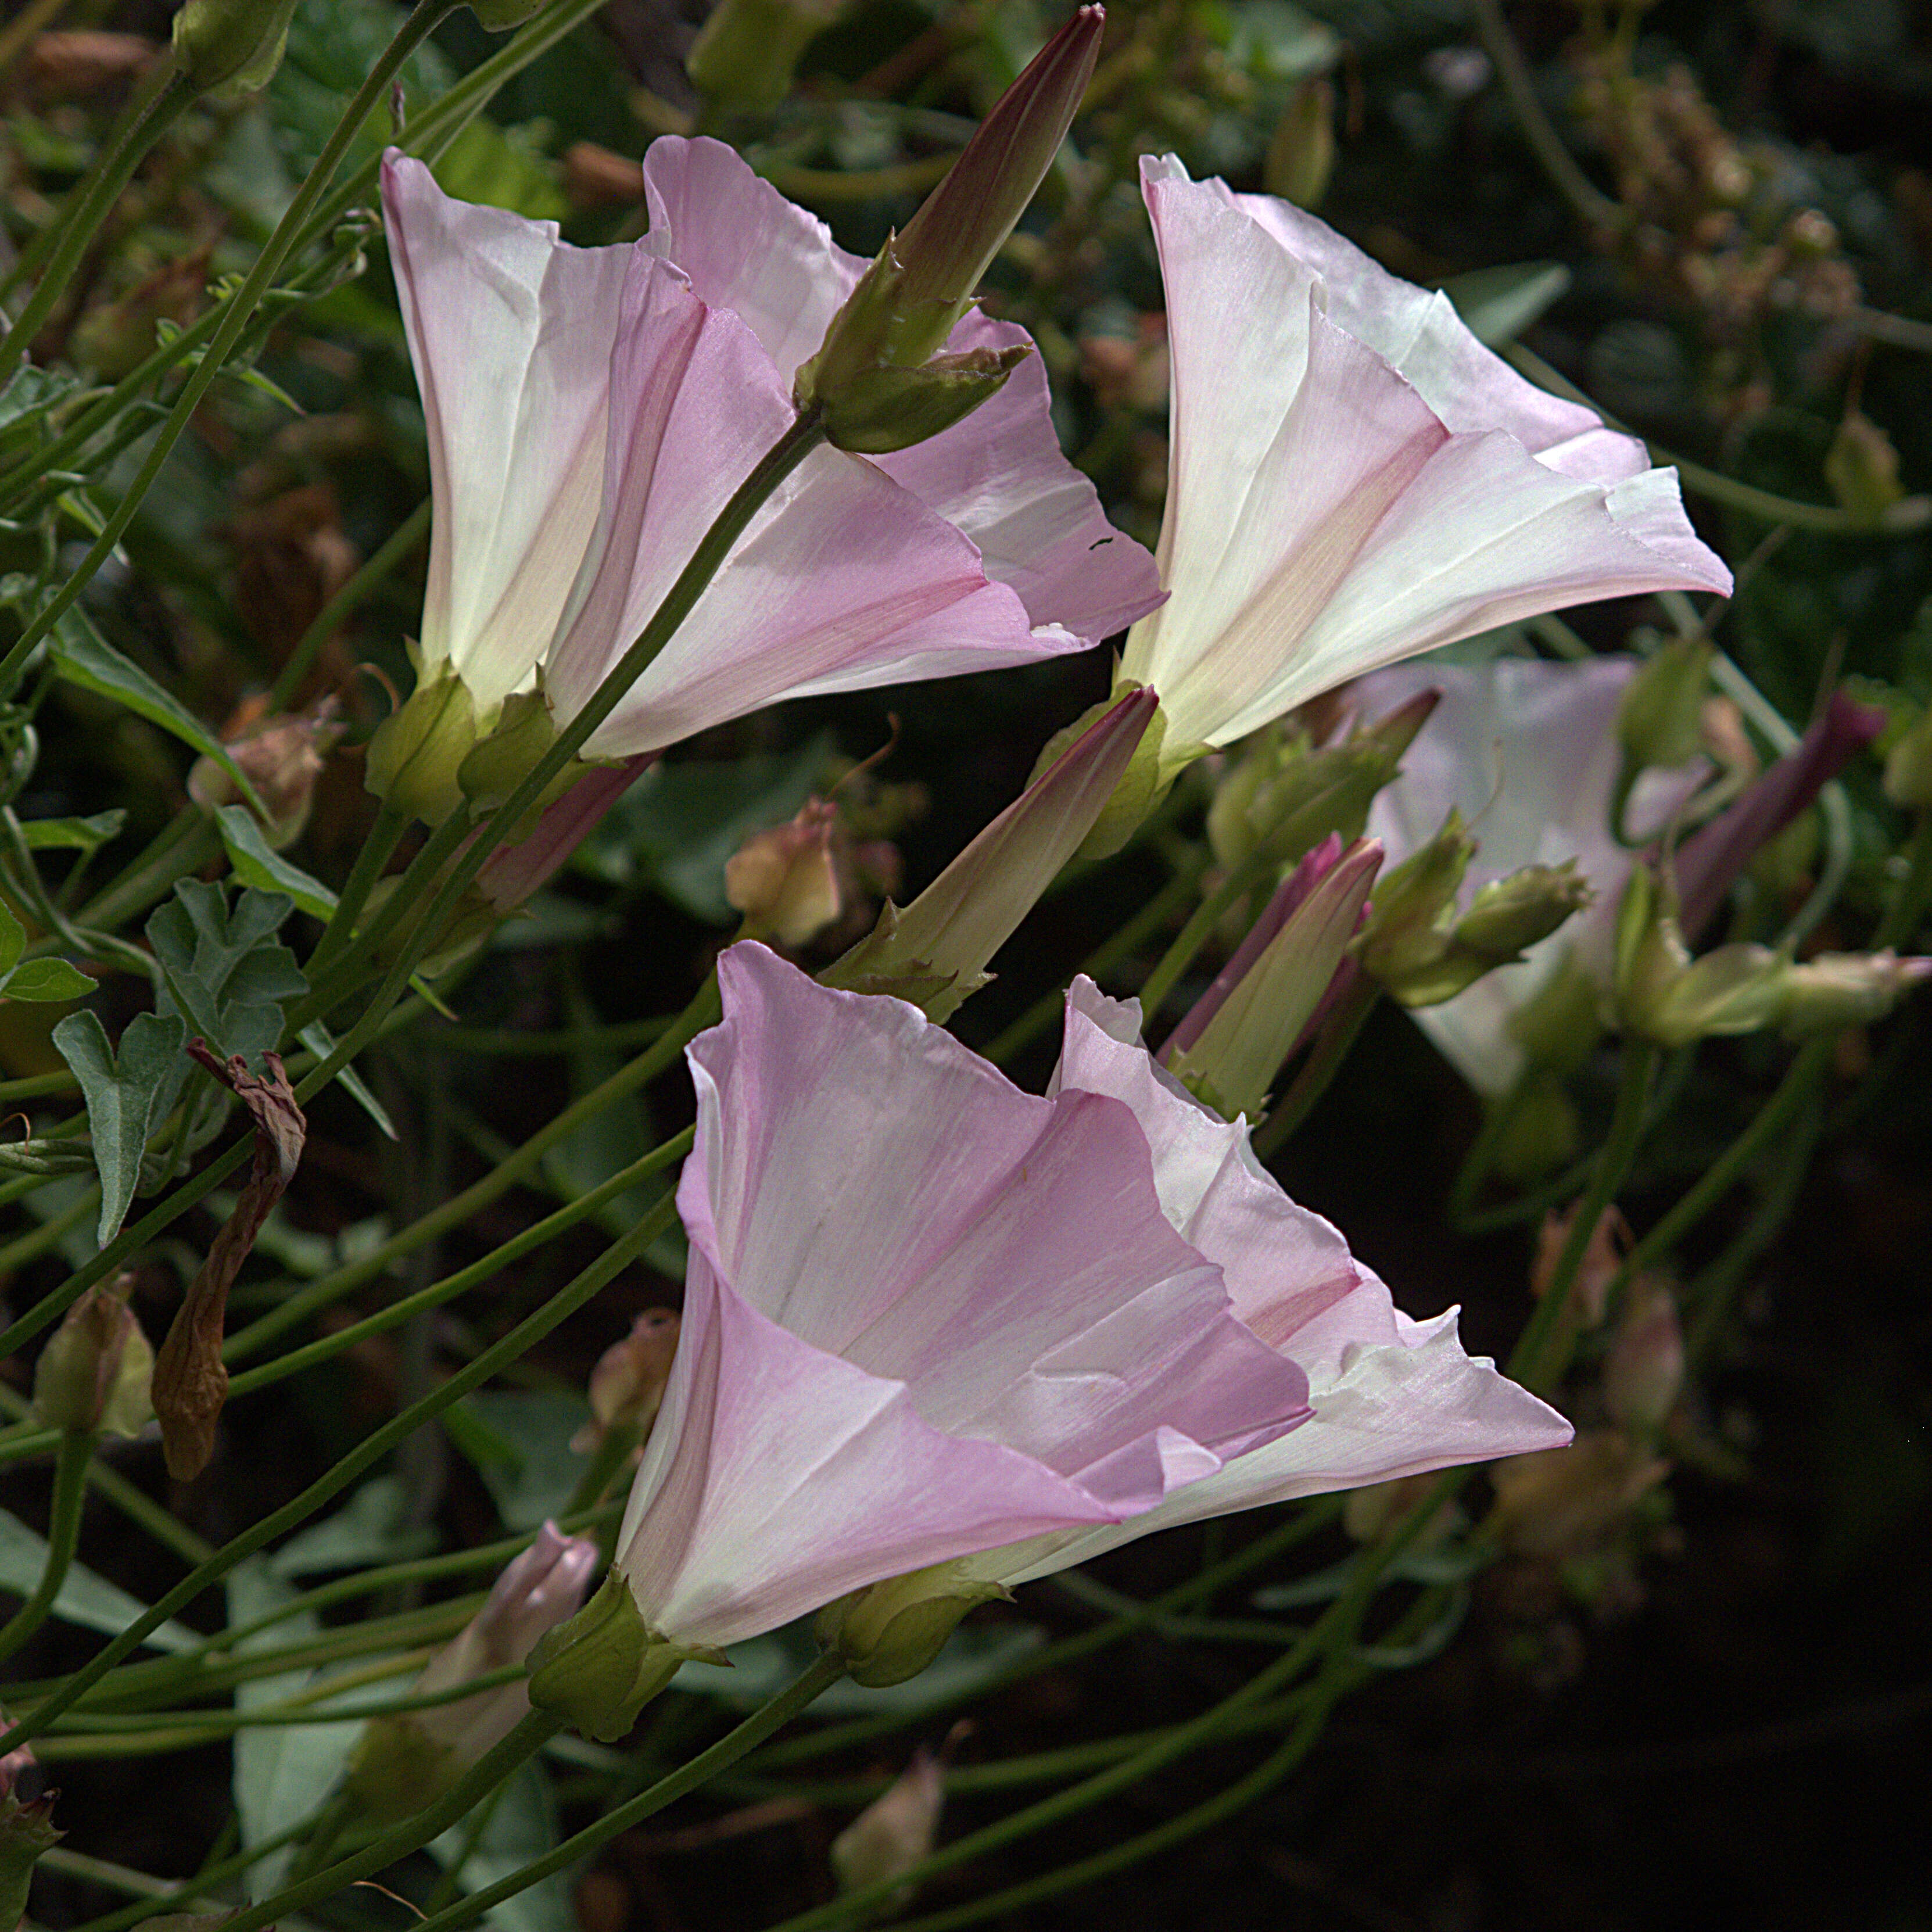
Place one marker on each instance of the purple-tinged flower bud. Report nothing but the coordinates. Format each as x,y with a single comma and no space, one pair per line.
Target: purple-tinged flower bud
907,302
95,1373
1230,1045
935,952
405,1762
894,1832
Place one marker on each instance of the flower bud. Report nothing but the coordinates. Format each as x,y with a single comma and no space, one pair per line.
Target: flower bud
1603,1260
1644,1371
26,1830
504,756
95,1373
1665,996
627,1385
602,1668
281,756
408,1761
1908,765
229,48
881,410
894,1832
890,1631
1510,915
417,752
935,953
1861,466
1660,716
1404,943
1837,990
747,51
785,880
1229,1047
906,303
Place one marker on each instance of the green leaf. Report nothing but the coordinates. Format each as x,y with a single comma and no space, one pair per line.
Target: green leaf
81,835
520,1830
128,1094
1499,304
321,1042
85,1599
83,656
369,1528
12,938
225,974
257,862
47,980
519,1440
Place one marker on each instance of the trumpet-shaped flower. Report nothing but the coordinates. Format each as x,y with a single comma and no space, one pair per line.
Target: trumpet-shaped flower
1353,477
1528,752
1391,1396
591,411
925,1314
931,1320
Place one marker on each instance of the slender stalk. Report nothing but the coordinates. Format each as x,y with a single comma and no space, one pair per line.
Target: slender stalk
1241,879
370,577
63,1535
379,843
426,16
77,229
818,1676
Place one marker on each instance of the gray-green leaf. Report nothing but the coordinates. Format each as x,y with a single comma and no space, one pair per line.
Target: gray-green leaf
47,980
86,1599
225,974
128,1094
80,835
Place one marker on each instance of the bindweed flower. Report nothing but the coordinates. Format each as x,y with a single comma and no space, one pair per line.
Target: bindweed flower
1353,477
1528,753
406,1762
591,411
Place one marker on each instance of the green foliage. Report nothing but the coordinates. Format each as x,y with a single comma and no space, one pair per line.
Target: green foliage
35,979
128,1094
222,970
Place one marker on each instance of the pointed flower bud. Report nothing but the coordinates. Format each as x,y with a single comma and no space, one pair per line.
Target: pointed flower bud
1403,943
888,1632
747,50
231,47
602,1667
785,880
95,1373
406,1762
1836,990
907,301
1861,466
1510,915
627,1385
881,410
1230,1046
281,756
894,1832
935,953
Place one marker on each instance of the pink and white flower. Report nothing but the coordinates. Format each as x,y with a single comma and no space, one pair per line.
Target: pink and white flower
928,1316
590,411
1353,477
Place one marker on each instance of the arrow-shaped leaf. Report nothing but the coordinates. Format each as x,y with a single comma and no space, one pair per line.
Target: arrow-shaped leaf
225,974
128,1094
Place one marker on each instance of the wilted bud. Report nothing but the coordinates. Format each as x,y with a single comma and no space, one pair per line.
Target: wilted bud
231,47
1644,1371
1660,715
785,880
602,1668
935,953
1908,765
1301,154
1229,1047
1837,990
906,303
1862,468
417,751
894,1832
26,1830
95,1372
406,1762
281,756
890,1631
1603,1258
1665,996
1570,1502
627,1385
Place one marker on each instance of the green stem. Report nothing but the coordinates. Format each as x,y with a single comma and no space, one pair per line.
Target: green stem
77,229
1540,1359
818,1676
63,1535
379,843
200,1888
1332,1045
510,1347
371,576
537,1728
1241,880
427,15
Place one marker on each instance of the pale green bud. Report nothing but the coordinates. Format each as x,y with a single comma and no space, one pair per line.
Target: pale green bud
416,755
1836,990
1301,154
1861,466
1510,914
890,1631
886,408
1908,765
1404,944
228,48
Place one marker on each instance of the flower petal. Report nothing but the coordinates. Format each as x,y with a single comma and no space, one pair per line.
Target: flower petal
511,330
